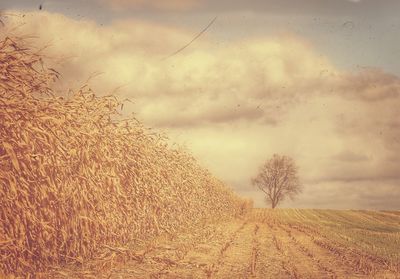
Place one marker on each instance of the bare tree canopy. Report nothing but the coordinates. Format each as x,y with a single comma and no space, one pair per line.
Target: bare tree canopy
278,179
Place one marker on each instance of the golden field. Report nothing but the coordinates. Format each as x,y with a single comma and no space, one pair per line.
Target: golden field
87,193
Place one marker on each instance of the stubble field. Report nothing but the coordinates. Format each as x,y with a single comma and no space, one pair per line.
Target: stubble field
266,243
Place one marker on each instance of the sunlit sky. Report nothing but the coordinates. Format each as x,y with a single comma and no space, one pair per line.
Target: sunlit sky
316,80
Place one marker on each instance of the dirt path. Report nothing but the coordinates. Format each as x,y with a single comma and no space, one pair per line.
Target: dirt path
252,248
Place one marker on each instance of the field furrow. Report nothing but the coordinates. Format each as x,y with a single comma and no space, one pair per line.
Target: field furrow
347,262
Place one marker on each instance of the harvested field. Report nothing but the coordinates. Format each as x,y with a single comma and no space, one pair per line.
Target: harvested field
268,244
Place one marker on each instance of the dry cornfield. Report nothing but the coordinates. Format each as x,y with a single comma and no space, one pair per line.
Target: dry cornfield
78,180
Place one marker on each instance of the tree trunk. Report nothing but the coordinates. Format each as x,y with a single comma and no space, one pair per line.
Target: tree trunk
274,202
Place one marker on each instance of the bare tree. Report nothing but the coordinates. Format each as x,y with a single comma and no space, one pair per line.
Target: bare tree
278,179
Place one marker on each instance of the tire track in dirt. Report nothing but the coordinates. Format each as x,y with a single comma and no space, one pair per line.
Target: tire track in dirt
255,252
319,260
293,261
273,260
230,258
269,260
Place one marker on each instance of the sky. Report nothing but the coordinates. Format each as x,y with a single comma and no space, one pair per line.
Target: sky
315,80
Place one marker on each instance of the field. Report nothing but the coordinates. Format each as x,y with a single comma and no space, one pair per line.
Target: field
282,243
87,193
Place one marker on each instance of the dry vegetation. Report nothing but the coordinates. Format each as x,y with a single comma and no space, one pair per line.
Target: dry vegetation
76,178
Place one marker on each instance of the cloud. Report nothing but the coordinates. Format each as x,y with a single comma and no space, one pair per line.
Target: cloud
350,156
236,104
208,114
204,84
164,5
370,85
